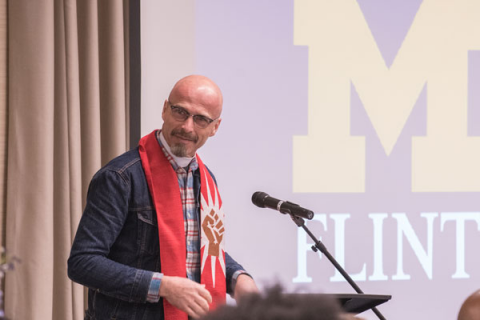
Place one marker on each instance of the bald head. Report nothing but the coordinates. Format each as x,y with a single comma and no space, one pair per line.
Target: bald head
470,309
200,89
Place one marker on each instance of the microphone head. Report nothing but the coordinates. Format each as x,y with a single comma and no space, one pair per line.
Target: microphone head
258,199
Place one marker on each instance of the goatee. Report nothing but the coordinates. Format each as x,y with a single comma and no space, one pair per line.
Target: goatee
179,150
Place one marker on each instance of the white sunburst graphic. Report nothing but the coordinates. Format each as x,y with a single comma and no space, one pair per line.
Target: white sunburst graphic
207,207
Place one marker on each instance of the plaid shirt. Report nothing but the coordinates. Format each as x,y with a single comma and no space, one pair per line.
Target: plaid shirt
191,213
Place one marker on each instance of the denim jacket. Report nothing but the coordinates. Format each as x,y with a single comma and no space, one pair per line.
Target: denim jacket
116,248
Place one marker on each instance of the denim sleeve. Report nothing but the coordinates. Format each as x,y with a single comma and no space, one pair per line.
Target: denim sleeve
104,217
233,270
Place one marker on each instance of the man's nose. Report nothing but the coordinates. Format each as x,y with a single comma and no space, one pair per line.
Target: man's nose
189,124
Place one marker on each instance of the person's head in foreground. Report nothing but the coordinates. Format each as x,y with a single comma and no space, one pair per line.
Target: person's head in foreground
470,309
275,305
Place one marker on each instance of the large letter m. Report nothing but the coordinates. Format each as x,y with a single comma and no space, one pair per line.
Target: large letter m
342,52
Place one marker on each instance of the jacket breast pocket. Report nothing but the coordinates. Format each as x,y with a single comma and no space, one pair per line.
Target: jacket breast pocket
147,231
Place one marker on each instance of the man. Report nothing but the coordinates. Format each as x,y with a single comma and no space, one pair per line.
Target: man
150,242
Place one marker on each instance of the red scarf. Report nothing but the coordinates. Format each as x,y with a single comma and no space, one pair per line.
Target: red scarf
164,190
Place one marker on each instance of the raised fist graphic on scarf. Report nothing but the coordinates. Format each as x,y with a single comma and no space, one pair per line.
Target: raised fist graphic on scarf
213,229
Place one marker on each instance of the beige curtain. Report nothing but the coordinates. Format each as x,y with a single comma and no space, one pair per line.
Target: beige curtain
3,117
67,116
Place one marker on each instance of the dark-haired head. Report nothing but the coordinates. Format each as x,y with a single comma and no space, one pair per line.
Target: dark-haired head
275,305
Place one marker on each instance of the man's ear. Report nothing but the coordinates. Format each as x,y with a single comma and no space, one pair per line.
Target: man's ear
215,127
165,105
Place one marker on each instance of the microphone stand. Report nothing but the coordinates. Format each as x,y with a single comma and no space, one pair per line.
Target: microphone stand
320,246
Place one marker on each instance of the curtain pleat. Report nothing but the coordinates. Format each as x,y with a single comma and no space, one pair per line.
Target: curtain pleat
67,157
112,77
67,116
29,232
89,75
3,117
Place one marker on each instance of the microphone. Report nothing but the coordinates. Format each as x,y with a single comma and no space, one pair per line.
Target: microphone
263,200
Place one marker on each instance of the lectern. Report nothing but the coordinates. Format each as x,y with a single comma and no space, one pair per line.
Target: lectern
358,303
350,302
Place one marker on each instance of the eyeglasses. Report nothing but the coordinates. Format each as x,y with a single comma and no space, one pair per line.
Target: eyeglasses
181,114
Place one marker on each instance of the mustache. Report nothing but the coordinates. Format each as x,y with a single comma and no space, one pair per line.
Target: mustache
185,135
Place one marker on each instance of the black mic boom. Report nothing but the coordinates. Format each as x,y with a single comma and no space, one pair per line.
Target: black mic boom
263,200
